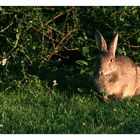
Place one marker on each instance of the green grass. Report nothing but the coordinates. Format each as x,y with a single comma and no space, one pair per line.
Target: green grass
42,44
34,108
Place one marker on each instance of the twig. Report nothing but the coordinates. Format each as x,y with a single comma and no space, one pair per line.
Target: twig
56,49
55,30
46,24
7,27
132,35
57,16
133,46
73,49
51,28
17,39
74,30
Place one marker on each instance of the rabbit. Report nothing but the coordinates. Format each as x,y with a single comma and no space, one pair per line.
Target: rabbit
117,75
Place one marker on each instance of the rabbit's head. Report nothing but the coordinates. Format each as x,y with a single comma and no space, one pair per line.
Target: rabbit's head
107,62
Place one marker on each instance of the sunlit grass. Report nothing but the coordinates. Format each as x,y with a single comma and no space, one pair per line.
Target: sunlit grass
38,110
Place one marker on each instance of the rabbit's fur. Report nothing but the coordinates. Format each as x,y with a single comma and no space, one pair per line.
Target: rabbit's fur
117,75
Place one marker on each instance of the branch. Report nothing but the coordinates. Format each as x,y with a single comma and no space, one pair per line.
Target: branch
57,16
57,48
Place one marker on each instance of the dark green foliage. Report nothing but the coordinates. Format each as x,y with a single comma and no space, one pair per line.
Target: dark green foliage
34,36
43,46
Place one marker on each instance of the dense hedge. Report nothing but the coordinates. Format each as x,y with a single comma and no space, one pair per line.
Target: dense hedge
45,37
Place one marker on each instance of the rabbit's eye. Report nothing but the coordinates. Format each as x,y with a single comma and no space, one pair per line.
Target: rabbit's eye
111,60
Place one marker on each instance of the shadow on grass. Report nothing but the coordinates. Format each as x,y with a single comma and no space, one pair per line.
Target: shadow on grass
69,79
130,128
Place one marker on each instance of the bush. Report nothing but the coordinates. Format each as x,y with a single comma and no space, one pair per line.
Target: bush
34,39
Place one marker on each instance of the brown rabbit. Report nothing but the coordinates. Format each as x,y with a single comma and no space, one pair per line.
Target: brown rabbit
117,75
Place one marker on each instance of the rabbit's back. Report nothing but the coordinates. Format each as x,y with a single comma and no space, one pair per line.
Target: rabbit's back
125,62
138,81
126,67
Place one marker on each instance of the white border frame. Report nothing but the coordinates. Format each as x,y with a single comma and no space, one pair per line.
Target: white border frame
70,3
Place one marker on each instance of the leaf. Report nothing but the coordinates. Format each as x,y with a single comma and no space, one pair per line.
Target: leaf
1,9
127,25
85,36
138,39
85,50
82,62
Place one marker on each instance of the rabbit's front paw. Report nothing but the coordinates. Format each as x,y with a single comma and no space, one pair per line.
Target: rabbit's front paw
119,95
106,98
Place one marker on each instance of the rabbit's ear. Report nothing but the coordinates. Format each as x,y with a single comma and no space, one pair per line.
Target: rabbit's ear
113,45
100,41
